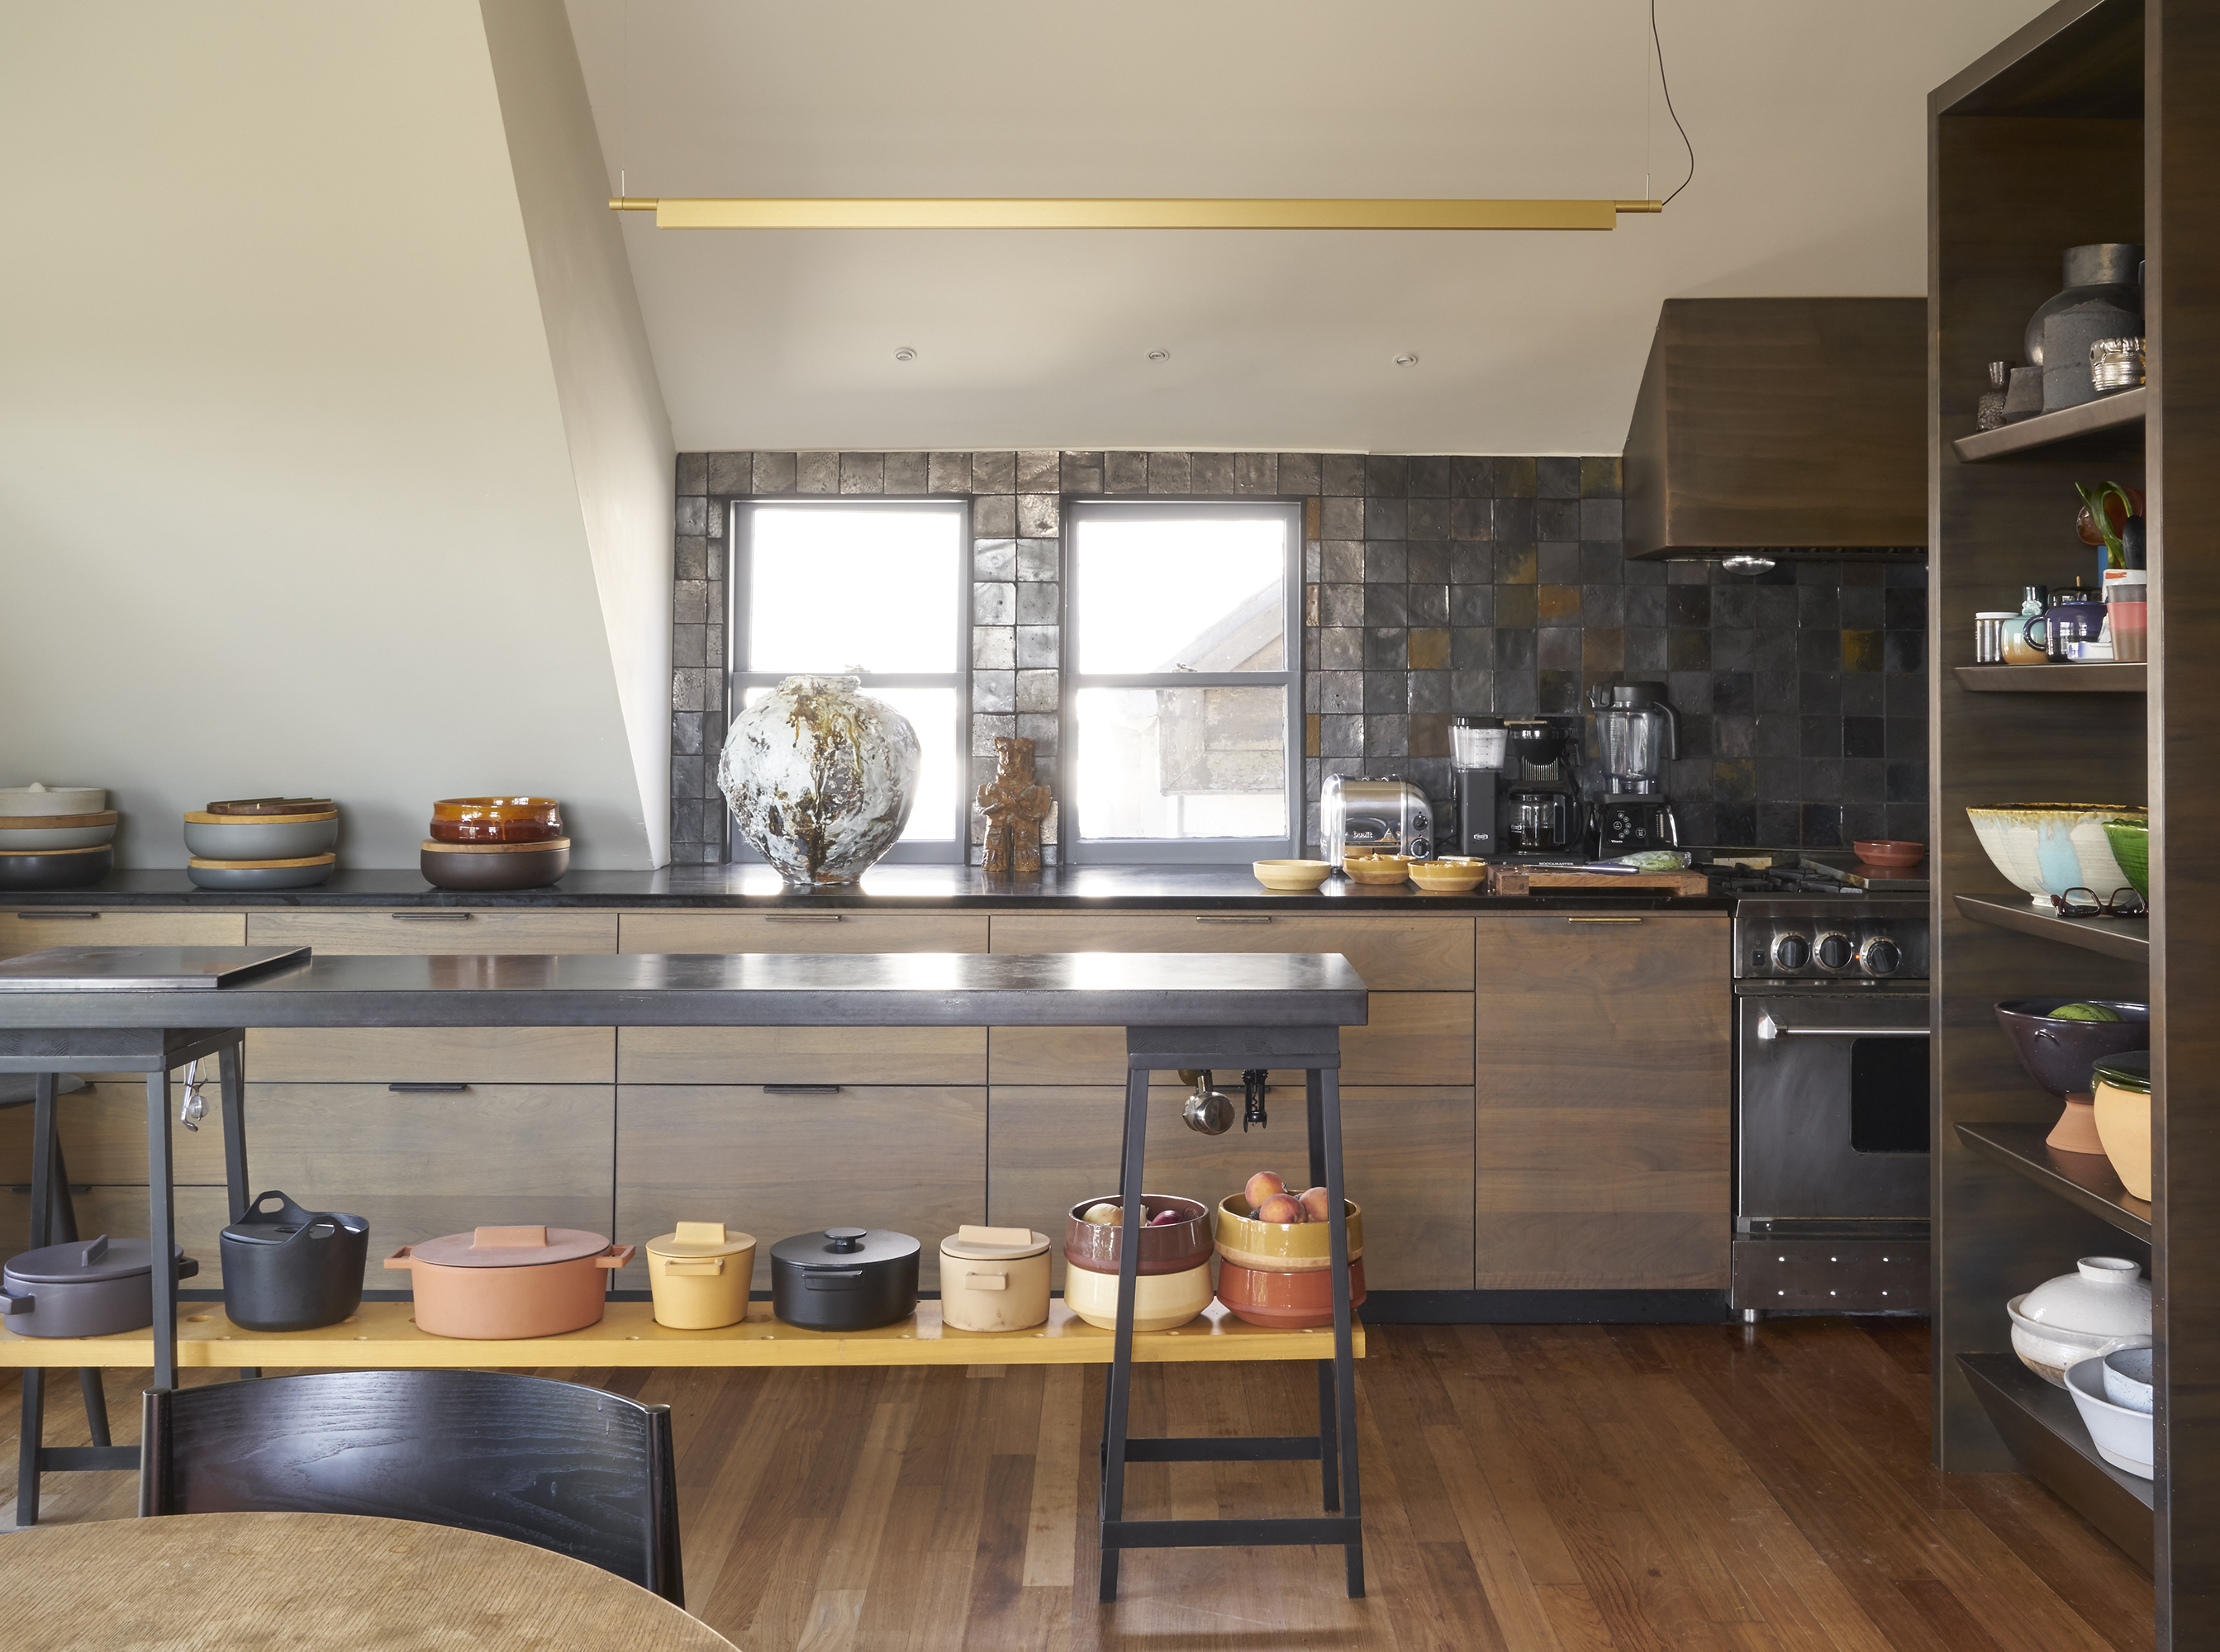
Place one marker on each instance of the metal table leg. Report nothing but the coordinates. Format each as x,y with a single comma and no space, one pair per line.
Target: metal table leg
1325,1085
1119,1384
231,1070
161,1230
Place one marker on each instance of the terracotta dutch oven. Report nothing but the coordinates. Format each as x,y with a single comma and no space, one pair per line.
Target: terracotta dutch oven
503,1283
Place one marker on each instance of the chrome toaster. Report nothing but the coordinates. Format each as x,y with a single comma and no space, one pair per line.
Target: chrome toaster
1389,817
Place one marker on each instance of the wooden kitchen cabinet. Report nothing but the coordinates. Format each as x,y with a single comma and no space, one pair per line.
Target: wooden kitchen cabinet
1602,1118
801,1055
1393,953
468,1055
33,930
1409,1038
435,930
802,932
104,1131
1406,1155
909,1157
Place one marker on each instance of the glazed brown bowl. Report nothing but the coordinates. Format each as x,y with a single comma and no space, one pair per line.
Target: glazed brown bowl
496,819
1172,1249
487,866
1285,1301
1889,851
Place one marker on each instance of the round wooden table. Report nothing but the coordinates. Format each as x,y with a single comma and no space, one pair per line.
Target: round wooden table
245,1582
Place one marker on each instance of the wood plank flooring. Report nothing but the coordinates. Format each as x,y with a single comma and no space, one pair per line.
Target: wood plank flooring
1534,1488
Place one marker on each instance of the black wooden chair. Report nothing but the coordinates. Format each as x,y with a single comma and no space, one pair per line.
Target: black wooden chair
586,1473
54,1221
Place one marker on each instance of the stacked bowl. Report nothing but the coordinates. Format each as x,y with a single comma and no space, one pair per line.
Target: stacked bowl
262,843
1174,1282
55,837
496,843
1280,1274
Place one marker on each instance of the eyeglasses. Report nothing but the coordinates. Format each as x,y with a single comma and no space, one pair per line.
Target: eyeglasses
2124,903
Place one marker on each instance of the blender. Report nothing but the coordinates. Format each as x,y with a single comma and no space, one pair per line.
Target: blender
1635,734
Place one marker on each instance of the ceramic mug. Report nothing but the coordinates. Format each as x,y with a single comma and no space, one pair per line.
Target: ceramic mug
2024,639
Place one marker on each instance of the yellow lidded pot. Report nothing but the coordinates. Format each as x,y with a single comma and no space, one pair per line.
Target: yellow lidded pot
993,1279
700,1275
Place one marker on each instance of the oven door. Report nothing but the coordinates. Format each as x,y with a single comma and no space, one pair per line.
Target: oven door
1833,1120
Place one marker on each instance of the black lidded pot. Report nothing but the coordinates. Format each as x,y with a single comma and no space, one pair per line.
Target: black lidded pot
843,1278
87,1288
287,1269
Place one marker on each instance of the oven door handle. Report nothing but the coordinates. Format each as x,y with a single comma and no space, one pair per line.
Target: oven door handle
1768,1030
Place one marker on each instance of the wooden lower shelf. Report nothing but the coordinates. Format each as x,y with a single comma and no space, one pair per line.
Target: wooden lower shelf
2117,676
2121,412
2045,1433
2118,938
384,1335
2084,1181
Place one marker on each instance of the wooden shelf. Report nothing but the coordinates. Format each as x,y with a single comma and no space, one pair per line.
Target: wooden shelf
2115,938
2048,429
2128,676
2046,1435
2084,1181
384,1335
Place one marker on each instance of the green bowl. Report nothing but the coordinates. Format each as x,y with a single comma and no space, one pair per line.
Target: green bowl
2130,841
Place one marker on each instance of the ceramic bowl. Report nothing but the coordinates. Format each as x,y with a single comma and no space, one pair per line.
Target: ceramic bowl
2128,1378
496,819
2105,1304
299,873
2049,848
2130,837
2122,1437
1291,873
102,830
1172,1249
1285,1301
1377,868
1160,1301
489,866
260,837
1451,876
55,869
1281,1247
2058,1055
1889,851
18,800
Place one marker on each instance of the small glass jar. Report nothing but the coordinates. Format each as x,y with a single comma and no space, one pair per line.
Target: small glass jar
2115,364
1989,637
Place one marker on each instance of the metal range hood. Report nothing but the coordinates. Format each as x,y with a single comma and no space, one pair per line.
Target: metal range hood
1781,426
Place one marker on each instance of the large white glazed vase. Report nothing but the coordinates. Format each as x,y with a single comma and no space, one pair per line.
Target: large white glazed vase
820,778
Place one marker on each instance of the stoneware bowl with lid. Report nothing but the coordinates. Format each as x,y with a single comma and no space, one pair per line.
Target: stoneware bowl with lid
2105,1304
260,837
38,799
1282,1247
500,1283
1160,1301
2122,1434
844,1278
1174,1248
993,1279
2123,1118
699,1274
87,1288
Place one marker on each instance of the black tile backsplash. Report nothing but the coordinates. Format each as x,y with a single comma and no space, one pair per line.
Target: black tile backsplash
1439,586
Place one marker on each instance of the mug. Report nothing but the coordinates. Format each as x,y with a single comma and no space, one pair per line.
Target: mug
2025,639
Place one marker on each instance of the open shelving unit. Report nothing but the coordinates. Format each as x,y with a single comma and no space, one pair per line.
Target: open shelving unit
2090,124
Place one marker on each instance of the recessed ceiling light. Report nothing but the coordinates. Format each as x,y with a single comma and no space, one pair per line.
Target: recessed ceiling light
905,353
1407,358
1160,355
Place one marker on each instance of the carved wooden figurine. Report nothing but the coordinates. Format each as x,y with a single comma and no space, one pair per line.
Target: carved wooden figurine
1015,805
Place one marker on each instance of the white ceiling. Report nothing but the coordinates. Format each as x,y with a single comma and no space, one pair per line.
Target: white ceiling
1808,118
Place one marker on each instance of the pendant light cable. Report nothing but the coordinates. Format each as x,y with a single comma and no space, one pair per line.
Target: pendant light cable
1665,87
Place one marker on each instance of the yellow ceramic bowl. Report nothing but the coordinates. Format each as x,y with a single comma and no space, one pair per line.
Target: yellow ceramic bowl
1377,868
1160,1301
1456,875
1291,873
1282,1247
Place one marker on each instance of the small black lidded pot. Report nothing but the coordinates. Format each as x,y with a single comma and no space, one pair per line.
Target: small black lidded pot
843,1278
287,1269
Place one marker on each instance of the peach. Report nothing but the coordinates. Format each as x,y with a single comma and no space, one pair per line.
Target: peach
1317,1205
1261,1186
1281,1207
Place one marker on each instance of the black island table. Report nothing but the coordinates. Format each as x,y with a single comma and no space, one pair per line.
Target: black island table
79,1009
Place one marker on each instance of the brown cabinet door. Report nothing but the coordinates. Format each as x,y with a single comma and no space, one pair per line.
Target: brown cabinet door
436,931
1393,953
35,929
1601,1154
802,932
909,1157
1405,1156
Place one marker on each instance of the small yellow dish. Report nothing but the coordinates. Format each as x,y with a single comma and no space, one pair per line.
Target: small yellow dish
1449,876
1377,868
1291,873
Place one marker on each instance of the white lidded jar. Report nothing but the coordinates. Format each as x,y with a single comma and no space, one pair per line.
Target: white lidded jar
993,1279
2103,1304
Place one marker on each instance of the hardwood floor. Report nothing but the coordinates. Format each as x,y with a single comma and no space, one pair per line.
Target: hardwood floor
1538,1489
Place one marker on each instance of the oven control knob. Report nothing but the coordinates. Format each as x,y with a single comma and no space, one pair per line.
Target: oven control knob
1836,952
1792,951
1880,955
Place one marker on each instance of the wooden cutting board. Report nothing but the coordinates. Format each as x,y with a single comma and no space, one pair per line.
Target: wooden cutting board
1520,880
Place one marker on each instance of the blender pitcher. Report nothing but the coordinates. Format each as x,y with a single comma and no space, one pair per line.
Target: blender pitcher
1636,733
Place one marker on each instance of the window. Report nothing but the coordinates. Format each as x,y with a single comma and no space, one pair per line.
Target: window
1182,690
873,588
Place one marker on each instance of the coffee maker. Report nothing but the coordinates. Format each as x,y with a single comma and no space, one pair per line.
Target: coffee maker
1517,790
1635,735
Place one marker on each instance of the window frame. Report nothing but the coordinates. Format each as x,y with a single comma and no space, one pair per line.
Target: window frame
1077,849
739,536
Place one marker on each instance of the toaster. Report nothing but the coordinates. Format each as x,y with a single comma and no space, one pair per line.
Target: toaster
1389,817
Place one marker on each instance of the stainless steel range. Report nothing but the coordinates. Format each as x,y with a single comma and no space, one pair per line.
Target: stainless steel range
1831,1145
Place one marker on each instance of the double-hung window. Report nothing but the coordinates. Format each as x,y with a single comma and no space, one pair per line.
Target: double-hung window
1182,689
877,590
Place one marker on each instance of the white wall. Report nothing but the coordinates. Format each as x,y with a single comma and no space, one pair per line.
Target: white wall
286,498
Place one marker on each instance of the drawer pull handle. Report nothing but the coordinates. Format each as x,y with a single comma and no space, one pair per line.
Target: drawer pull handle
416,1089
802,917
55,917
1603,920
1200,919
430,917
802,1089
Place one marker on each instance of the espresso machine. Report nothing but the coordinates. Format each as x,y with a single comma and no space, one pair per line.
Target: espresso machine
1635,735
1517,792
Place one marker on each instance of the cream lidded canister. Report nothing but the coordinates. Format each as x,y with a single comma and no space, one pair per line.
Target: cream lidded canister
698,1275
993,1279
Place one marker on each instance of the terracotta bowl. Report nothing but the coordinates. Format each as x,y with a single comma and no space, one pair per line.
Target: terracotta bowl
1172,1249
1281,1247
1285,1301
1889,851
489,866
496,819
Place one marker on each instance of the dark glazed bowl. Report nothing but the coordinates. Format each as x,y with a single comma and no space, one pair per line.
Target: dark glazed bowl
2058,1055
495,866
56,869
1172,1249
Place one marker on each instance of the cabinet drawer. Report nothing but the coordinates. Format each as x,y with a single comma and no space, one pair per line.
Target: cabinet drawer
1407,1160
415,1165
200,1216
468,1055
30,930
1410,1038
103,1134
912,1158
1394,953
428,930
801,1055
802,932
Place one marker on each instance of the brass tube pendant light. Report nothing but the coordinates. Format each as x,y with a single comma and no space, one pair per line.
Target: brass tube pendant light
866,212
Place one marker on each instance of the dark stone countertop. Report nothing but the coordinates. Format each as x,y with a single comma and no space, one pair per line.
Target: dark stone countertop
1138,889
